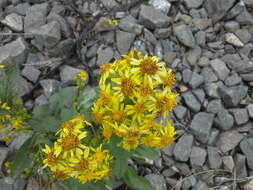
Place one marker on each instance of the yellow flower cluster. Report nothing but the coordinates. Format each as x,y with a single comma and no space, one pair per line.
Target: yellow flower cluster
135,92
70,157
81,79
12,119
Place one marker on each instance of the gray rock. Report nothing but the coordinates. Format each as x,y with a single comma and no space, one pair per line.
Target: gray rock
48,35
201,126
228,162
213,137
187,74
103,25
203,62
220,68
234,61
233,40
64,48
247,77
105,55
202,23
214,158
22,8
245,18
217,9
241,116
224,120
248,3
191,101
129,24
231,26
3,3
14,185
180,111
32,184
68,73
33,19
189,182
14,52
214,106
200,185
50,86
109,4
236,10
212,89
41,100
182,149
193,4
196,80
158,50
194,55
92,51
243,35
228,140
124,41
250,110
14,21
240,165
183,168
31,73
64,26
3,155
153,18
198,156
208,75
157,181
200,37
233,95
22,87
246,49
184,35
246,146
18,141
161,5
233,80
200,94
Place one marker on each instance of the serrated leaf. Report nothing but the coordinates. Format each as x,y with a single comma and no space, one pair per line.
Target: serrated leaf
45,124
134,181
22,159
146,152
67,114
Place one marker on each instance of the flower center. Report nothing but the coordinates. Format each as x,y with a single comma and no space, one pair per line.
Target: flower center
70,142
127,86
52,158
82,165
67,125
104,68
118,116
148,66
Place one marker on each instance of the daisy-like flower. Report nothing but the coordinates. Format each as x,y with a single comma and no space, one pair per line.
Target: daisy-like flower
53,159
97,113
107,129
137,110
168,78
70,144
129,143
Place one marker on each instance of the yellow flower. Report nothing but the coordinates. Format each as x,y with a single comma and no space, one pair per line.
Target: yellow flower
137,110
168,78
70,144
7,139
52,159
2,66
130,143
97,114
107,130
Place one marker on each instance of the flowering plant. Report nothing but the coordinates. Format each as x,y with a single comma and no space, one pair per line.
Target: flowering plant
85,137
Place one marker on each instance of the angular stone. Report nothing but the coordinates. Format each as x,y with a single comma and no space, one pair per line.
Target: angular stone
228,162
247,77
48,35
233,95
68,73
244,35
245,18
240,165
124,41
233,80
104,25
14,52
129,24
233,40
246,146
22,87
214,158
201,126
224,120
193,55
182,149
180,111
200,94
184,35
196,80
50,86
33,19
31,73
214,106
217,9
14,21
191,101
105,55
213,137
236,10
3,155
157,181
231,26
220,68
153,18
161,5
228,140
241,116
198,156
212,89
193,3
208,75
187,74
250,110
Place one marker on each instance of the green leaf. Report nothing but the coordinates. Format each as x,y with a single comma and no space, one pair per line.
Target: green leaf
45,124
73,184
22,158
146,152
86,101
42,110
134,181
67,114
